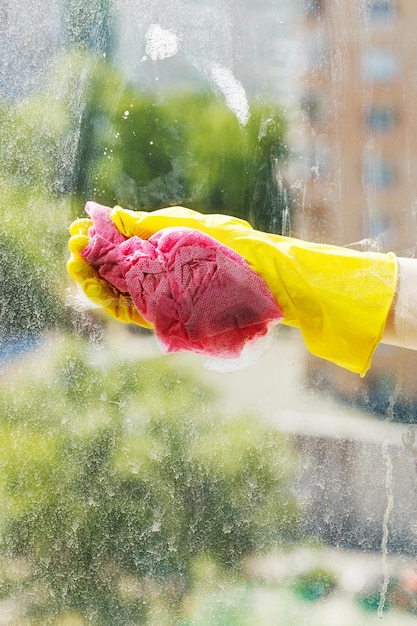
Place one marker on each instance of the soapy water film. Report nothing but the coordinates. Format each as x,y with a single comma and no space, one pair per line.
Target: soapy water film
353,472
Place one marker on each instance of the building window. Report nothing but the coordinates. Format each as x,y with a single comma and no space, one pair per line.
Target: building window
380,118
380,65
380,10
312,109
378,173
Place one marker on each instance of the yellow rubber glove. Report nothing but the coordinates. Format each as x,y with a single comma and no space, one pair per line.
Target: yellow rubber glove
339,298
99,291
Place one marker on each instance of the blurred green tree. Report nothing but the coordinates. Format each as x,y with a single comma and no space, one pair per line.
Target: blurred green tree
119,476
38,138
32,219
144,153
27,304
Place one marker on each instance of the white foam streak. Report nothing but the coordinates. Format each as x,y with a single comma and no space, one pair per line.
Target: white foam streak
161,43
233,92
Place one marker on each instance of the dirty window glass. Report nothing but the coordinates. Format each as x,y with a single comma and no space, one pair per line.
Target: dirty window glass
381,11
143,488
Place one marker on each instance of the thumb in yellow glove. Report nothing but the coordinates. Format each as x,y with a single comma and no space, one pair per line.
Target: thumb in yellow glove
99,291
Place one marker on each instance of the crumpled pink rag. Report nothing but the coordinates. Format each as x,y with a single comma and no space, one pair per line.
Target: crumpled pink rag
199,295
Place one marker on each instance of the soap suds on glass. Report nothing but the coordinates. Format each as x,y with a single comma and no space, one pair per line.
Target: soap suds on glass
233,92
161,43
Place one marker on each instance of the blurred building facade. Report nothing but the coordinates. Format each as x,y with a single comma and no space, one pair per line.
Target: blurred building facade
358,94
356,153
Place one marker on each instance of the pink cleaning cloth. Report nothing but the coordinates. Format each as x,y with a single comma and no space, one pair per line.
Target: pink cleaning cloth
199,295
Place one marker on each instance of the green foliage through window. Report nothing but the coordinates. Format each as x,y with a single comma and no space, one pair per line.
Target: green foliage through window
114,477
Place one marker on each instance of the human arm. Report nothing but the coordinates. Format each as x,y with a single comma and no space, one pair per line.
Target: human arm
401,326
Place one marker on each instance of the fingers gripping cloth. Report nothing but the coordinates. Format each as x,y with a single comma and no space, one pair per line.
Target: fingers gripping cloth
339,298
197,293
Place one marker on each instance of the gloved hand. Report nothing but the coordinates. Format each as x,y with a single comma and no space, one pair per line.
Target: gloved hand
99,291
339,298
